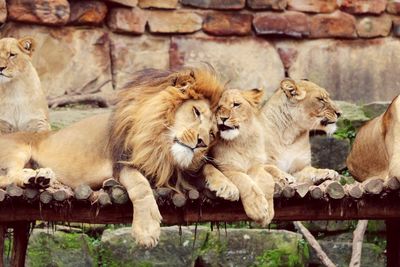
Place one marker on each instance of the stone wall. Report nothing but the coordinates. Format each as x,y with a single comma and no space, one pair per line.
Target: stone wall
84,47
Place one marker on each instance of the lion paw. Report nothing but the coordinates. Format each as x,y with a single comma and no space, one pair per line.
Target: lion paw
322,175
225,190
40,178
256,206
146,227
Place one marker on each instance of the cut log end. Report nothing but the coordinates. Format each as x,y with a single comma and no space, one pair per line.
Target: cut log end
31,193
118,194
193,194
288,192
316,192
14,191
373,186
392,184
83,192
3,194
110,183
46,197
163,191
179,200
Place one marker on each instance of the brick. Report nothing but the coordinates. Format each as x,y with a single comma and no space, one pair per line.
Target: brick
227,24
393,7
215,4
374,26
50,12
267,4
314,6
126,20
363,6
130,3
87,12
162,4
337,24
174,22
244,62
289,23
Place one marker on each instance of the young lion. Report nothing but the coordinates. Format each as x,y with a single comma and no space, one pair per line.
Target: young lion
23,106
240,153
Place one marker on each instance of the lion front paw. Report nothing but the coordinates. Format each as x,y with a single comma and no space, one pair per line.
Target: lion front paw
40,178
225,190
256,206
146,228
322,175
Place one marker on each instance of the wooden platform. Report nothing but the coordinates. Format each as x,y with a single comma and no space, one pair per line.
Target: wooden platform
328,201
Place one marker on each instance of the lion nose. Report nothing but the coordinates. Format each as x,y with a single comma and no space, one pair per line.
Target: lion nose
223,119
200,143
338,114
2,68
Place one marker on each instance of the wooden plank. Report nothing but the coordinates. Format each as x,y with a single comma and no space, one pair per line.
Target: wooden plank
20,243
393,242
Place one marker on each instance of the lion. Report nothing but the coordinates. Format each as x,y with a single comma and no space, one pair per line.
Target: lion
23,105
292,112
240,155
376,149
162,125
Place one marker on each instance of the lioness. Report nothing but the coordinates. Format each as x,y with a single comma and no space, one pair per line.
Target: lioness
23,105
294,110
376,149
240,154
161,125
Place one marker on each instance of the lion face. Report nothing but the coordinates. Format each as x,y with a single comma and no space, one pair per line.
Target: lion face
14,57
315,109
235,109
192,133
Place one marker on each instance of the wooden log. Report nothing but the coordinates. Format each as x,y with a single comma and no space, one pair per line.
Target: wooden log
316,192
393,242
83,192
301,189
110,182
3,231
46,197
391,183
288,191
193,194
179,200
118,194
3,195
20,243
209,194
31,193
314,244
14,191
104,198
332,189
358,237
62,194
373,186
278,190
354,190
164,191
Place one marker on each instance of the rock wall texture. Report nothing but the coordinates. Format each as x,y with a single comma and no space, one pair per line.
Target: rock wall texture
86,47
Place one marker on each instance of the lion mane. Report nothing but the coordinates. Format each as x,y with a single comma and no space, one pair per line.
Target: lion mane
144,112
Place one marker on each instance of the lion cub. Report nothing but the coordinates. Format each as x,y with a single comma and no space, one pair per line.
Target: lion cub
240,153
23,106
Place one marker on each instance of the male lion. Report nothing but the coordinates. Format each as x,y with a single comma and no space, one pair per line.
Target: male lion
294,110
162,125
240,155
376,149
23,106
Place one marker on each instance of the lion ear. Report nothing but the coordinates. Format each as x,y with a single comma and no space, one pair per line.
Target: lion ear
254,96
289,87
27,45
183,82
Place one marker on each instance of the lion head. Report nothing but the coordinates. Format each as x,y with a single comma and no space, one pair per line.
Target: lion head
15,57
236,110
311,106
164,122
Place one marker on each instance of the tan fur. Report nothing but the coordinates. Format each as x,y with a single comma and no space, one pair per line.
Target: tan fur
294,110
23,106
239,154
149,133
376,149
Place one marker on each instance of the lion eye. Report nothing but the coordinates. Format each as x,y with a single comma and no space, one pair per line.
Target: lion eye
196,112
212,135
321,99
12,55
236,104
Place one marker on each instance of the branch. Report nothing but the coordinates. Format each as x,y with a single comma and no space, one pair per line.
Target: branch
314,244
101,99
358,236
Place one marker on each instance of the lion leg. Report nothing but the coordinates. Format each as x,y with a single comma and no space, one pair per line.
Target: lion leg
146,216
253,198
267,184
279,176
216,181
315,176
391,121
37,125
